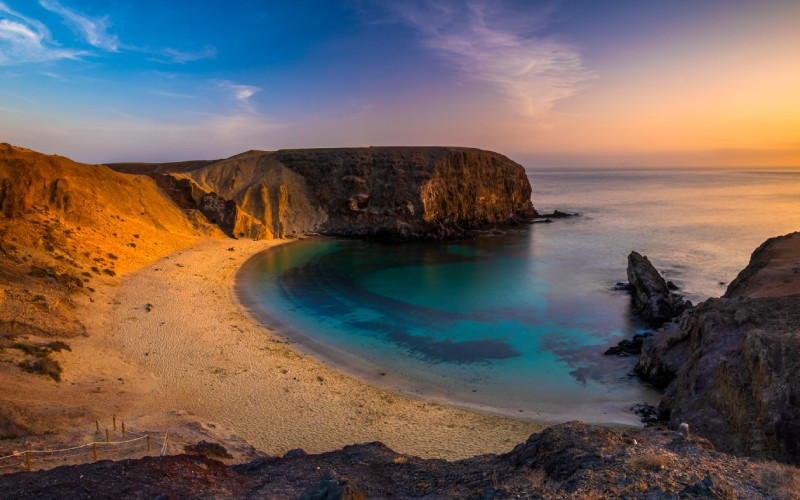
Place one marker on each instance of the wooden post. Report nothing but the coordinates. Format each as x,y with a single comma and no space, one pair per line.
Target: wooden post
94,451
148,442
107,440
114,420
28,461
123,428
97,425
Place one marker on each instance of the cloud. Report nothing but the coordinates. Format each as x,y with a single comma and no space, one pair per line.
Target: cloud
183,57
240,93
24,40
499,47
93,30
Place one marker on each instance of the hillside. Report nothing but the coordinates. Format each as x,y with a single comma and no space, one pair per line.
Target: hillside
66,229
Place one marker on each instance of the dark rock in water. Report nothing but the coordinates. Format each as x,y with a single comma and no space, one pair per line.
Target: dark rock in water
332,487
621,287
629,347
208,449
648,414
652,299
556,214
672,286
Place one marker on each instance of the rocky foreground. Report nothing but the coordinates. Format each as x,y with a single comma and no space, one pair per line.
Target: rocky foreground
571,460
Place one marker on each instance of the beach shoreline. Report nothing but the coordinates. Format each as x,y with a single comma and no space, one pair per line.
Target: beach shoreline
200,355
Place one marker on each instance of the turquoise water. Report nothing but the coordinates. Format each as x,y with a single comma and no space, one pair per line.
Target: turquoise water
518,323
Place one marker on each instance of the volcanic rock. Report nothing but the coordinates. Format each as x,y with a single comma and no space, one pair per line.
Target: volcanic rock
652,299
395,192
571,460
732,366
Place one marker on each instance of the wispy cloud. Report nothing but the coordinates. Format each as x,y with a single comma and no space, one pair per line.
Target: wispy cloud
93,29
488,44
24,40
240,93
184,56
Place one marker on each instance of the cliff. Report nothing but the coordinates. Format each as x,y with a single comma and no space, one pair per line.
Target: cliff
406,192
732,367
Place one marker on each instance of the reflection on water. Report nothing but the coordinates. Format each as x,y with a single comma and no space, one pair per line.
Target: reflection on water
518,323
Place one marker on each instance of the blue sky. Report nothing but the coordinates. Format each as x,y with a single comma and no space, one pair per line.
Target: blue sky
555,82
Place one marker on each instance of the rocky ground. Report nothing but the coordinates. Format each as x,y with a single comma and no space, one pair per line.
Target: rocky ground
571,460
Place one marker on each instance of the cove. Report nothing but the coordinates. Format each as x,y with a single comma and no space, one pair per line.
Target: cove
485,323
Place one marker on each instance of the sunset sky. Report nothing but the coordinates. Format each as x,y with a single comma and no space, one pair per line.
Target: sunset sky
570,83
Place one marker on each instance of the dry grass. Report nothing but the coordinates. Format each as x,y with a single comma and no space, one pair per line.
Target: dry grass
784,479
649,461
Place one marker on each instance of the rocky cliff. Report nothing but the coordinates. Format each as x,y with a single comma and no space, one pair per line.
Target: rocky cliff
732,367
406,192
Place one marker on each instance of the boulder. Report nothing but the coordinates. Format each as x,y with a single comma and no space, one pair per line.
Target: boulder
652,299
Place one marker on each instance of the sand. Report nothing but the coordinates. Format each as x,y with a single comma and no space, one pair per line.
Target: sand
198,358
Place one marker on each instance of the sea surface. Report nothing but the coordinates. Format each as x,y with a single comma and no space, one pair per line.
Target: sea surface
517,324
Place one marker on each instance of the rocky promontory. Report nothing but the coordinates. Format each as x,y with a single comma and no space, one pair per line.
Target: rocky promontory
404,192
731,367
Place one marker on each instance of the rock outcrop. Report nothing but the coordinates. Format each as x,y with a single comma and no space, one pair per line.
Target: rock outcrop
571,460
652,299
404,192
732,366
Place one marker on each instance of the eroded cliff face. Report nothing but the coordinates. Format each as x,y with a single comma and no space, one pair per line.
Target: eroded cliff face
406,192
732,367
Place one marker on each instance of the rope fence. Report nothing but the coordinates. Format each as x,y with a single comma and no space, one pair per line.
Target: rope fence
141,444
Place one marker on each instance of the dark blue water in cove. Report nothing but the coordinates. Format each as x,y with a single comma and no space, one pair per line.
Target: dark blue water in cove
518,323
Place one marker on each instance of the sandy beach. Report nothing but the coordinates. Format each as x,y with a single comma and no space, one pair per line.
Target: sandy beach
199,356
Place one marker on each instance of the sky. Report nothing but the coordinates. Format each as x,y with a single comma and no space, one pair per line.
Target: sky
571,83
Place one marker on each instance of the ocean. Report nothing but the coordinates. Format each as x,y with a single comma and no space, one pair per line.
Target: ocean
516,324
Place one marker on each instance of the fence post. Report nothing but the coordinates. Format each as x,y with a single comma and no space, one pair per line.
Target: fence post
148,442
114,420
28,461
107,440
97,425
94,451
123,428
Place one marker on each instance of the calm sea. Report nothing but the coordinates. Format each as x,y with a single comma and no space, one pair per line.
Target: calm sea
517,324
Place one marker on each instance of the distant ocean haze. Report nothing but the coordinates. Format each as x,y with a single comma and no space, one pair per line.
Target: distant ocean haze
517,324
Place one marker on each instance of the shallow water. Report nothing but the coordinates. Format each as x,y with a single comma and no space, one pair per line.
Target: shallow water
517,324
